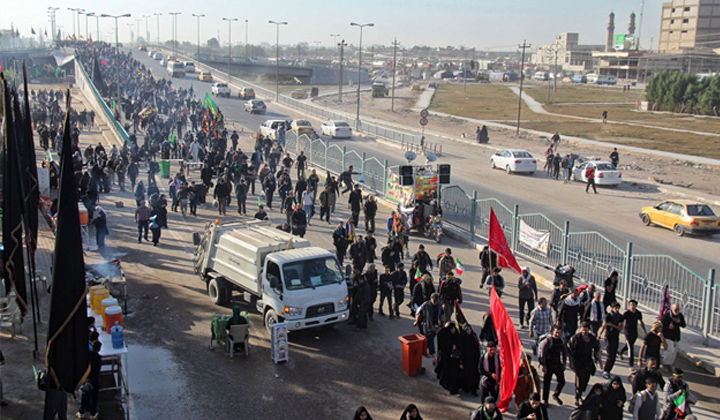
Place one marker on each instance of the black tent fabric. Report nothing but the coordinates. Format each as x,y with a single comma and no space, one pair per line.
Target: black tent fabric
13,267
29,164
67,356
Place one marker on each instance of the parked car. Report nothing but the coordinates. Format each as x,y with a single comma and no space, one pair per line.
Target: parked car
255,106
336,129
163,61
302,127
189,67
246,93
514,160
205,76
220,89
299,94
605,173
682,217
269,128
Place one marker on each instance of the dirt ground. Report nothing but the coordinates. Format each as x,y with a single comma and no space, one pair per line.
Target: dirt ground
635,166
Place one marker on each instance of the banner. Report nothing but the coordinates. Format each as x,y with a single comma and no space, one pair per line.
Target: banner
509,349
538,240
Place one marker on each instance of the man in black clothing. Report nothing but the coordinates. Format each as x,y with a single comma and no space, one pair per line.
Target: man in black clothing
488,260
386,292
361,302
449,292
269,187
340,241
389,256
532,409
261,214
557,297
649,371
399,280
569,313
370,244
300,163
553,356
632,317
346,178
584,352
370,210
355,204
89,401
422,260
613,325
672,321
357,254
325,202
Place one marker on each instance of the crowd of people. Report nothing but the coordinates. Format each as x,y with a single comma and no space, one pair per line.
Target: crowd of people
567,329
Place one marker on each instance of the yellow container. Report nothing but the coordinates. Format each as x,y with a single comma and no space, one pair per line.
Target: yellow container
96,302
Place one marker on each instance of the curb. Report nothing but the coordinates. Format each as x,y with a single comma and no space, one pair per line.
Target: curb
709,367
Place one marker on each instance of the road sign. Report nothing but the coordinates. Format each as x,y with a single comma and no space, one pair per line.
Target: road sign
423,121
424,113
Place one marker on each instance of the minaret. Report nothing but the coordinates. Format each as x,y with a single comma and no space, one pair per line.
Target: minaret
631,25
610,42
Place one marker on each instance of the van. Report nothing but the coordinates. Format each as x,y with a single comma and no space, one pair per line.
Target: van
176,69
579,78
189,67
541,76
606,80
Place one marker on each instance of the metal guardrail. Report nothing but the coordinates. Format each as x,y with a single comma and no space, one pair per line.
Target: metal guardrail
88,89
594,257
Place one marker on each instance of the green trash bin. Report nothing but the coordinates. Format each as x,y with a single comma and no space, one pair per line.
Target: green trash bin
165,169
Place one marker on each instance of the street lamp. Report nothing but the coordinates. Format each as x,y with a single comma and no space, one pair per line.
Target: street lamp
82,12
247,47
116,17
174,29
132,36
137,31
147,29
357,115
277,56
87,31
51,13
157,15
229,21
198,32
74,10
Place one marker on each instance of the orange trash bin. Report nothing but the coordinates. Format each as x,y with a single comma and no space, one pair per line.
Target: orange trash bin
414,346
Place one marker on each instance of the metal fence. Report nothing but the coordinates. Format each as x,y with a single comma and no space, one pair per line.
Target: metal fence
91,94
594,257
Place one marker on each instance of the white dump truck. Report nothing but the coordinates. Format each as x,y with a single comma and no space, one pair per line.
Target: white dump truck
289,280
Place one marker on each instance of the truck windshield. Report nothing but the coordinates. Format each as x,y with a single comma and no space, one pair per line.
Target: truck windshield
311,273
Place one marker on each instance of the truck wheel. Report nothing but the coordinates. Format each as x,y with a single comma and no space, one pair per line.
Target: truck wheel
218,291
270,319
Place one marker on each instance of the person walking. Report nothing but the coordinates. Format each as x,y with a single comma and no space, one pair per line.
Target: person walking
362,302
672,321
288,206
594,313
386,289
495,280
584,352
428,321
527,295
142,217
613,399
646,404
653,342
183,195
325,203
487,411
90,397
590,175
369,212
540,322
450,292
644,374
614,322
604,116
611,285
241,197
155,229
307,203
615,157
446,263
553,357
399,280
221,194
532,409
355,202
340,241
488,260
675,388
101,229
632,317
569,313
565,164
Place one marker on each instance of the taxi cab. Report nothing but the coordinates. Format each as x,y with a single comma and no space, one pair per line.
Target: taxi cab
302,127
682,217
205,76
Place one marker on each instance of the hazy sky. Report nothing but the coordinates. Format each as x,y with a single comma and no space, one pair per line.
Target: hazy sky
483,24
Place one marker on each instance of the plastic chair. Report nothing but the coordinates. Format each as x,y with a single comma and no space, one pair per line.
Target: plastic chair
217,329
10,316
238,334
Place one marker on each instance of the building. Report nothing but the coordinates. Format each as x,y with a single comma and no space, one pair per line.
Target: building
689,24
571,56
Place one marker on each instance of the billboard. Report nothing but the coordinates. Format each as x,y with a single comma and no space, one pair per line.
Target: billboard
620,42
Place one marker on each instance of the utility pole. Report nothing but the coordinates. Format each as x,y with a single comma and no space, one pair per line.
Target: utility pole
174,30
394,70
247,46
229,21
157,15
342,44
147,29
557,47
524,46
198,32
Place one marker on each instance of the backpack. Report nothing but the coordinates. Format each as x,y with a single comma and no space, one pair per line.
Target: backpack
633,400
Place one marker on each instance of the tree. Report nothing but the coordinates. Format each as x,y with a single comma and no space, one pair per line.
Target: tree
213,43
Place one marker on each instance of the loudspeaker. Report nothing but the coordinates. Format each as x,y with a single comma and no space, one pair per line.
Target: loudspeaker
406,176
444,172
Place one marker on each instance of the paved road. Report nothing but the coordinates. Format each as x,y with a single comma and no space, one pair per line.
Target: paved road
614,212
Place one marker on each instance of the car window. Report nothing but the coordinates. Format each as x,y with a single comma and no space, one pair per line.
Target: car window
604,167
699,210
676,209
311,273
342,124
665,206
303,123
273,270
522,154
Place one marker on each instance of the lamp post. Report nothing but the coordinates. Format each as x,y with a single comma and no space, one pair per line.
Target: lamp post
132,36
147,28
174,30
51,13
137,30
198,32
357,114
277,56
82,12
73,10
117,50
247,46
342,46
87,31
229,21
157,15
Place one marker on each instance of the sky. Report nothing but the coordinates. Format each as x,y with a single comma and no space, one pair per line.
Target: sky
482,24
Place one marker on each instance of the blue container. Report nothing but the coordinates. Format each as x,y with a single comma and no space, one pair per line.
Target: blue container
117,337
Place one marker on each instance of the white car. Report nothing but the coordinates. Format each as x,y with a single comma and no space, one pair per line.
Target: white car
189,67
151,53
336,129
605,173
220,89
514,160
269,128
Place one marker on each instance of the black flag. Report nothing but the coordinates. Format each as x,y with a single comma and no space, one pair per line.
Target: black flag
67,356
97,78
29,165
13,267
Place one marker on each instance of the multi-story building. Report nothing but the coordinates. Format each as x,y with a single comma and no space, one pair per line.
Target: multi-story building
571,56
689,24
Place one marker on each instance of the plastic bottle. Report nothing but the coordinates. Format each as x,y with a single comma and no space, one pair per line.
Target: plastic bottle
117,336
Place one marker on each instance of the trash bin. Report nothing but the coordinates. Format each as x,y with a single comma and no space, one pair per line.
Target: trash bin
414,346
165,169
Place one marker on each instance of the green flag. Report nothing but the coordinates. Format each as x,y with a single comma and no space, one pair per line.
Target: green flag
259,202
209,104
680,404
172,137
57,72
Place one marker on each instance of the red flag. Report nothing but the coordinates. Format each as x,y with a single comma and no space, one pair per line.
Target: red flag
665,307
1,66
499,245
509,350
102,60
